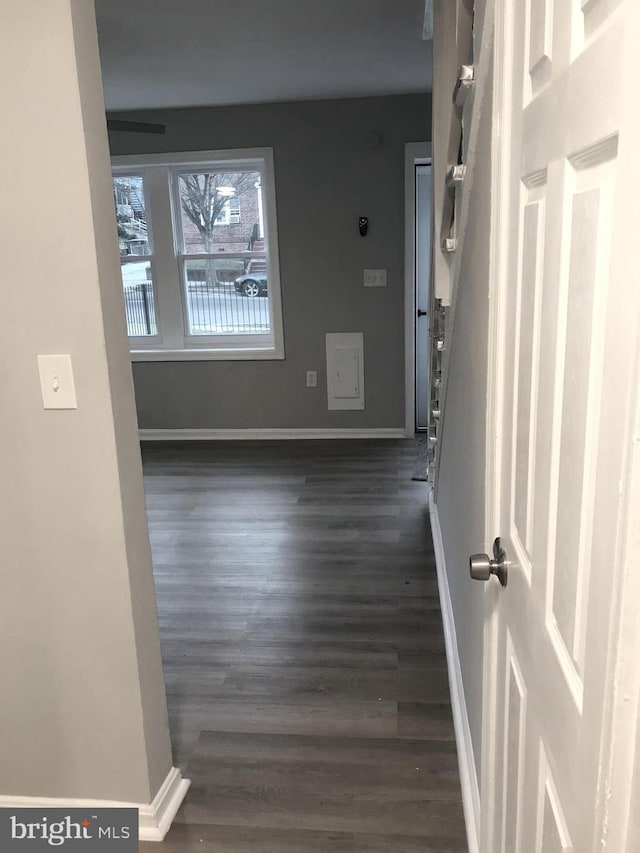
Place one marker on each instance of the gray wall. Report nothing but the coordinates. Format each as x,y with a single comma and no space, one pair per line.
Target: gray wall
461,497
83,711
327,174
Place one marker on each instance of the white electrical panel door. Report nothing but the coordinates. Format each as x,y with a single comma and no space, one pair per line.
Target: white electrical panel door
345,370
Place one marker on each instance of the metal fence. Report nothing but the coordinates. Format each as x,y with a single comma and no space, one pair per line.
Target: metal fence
140,309
221,310
211,309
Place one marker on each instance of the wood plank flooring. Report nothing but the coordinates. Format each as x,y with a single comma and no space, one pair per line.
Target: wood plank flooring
303,649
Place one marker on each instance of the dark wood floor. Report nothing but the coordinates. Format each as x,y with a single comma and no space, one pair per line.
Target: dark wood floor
303,648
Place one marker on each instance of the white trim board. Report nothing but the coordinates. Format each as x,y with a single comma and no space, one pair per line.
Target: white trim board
265,434
154,819
466,762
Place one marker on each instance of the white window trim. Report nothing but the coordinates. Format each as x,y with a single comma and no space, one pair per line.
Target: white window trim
172,343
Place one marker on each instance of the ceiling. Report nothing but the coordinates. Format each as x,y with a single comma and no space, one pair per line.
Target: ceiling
181,53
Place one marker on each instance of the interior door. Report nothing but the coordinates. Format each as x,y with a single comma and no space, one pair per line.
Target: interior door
423,189
561,384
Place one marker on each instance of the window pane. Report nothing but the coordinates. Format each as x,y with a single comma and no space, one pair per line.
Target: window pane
128,196
138,299
228,296
221,212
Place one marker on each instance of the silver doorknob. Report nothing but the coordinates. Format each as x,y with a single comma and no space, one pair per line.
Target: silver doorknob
481,566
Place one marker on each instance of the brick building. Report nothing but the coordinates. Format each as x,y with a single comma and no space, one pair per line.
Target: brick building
236,229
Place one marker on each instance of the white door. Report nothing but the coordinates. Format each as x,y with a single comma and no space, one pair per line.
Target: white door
423,186
560,379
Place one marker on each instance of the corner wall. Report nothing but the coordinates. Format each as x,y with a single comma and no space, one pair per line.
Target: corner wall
462,472
83,714
329,170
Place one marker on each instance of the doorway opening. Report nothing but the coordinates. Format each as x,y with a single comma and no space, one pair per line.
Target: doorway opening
418,218
422,289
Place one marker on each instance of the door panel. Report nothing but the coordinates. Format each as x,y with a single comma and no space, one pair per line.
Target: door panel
561,121
538,42
588,248
514,760
554,835
525,389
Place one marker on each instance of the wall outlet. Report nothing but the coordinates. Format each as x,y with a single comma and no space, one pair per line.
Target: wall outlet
312,378
375,278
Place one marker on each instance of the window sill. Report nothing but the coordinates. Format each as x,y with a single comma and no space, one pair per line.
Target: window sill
257,354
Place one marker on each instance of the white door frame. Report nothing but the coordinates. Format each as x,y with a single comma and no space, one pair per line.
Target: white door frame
495,356
415,154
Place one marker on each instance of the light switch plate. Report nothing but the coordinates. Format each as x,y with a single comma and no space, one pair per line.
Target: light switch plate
56,382
375,278
312,378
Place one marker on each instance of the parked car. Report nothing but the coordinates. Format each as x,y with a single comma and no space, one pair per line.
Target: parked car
252,284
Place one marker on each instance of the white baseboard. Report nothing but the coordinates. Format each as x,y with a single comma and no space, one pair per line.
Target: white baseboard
466,762
265,434
154,819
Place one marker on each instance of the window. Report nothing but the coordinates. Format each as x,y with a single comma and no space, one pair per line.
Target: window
135,256
230,213
198,247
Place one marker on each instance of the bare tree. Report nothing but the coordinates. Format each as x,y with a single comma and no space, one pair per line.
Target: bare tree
203,197
202,200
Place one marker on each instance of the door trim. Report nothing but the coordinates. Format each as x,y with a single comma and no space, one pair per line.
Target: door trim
466,759
499,17
415,154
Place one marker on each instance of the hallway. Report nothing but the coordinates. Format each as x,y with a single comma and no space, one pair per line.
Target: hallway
303,649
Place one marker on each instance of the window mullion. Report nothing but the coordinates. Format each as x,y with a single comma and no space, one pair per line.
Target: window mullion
167,274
